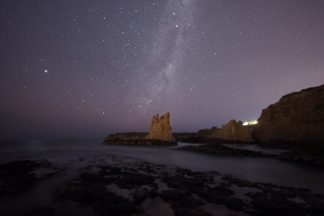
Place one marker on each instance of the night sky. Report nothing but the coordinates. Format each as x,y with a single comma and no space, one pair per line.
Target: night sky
88,68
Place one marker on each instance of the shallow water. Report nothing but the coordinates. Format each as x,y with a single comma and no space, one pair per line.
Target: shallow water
72,153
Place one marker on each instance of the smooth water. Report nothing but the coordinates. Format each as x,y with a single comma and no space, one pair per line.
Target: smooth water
73,152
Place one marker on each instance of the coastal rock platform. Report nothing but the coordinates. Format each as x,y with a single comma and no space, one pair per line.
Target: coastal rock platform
124,186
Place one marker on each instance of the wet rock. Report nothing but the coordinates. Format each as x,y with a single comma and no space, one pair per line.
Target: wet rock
238,182
180,198
182,202
274,204
315,204
114,170
148,169
139,196
190,212
216,195
186,192
40,211
110,204
130,180
234,203
20,176
90,190
183,182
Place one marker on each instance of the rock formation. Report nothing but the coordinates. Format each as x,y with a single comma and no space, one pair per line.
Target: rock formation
160,128
234,131
160,134
296,117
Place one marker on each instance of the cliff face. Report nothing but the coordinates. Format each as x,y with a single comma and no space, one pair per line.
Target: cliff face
296,117
234,131
160,128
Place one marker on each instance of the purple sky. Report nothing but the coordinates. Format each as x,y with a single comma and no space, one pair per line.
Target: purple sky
88,68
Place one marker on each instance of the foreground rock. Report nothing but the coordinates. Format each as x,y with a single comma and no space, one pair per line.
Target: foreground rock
124,186
20,176
160,134
296,118
141,188
312,154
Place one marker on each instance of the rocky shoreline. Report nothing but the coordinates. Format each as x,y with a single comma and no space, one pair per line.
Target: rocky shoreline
123,186
309,154
138,138
312,157
218,149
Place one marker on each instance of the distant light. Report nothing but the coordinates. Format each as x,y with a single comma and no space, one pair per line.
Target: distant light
252,122
45,71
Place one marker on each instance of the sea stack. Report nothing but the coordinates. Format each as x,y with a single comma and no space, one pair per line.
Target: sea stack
161,128
160,134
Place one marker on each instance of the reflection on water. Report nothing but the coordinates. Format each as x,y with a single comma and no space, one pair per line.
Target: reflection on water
253,169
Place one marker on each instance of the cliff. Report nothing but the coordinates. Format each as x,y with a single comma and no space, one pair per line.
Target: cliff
297,117
234,131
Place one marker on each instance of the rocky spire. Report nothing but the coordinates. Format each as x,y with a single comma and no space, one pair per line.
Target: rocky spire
160,128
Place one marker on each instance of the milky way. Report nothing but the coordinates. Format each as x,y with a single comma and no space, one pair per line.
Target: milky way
88,68
158,76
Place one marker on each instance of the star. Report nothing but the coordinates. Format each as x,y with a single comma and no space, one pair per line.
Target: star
46,71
